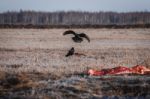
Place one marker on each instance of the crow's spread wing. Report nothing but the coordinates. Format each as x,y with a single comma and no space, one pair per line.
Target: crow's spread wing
85,36
69,32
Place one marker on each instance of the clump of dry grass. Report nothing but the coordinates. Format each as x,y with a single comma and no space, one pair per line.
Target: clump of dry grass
23,83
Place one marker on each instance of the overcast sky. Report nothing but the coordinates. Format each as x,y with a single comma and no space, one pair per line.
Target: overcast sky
75,5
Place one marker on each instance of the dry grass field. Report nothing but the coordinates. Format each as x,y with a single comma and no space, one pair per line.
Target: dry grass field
33,63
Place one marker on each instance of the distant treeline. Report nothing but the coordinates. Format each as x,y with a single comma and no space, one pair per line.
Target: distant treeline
32,19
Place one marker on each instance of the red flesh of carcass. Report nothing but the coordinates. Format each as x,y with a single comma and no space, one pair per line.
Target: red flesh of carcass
120,70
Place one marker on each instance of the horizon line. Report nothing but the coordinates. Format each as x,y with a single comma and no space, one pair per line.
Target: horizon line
72,11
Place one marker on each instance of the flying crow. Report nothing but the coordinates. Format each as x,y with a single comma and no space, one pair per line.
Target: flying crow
78,37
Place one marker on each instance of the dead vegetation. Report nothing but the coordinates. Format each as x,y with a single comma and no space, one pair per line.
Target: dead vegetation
33,62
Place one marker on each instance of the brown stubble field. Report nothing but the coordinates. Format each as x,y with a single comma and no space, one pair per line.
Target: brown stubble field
36,59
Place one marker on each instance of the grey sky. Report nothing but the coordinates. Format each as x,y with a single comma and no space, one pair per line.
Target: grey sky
77,5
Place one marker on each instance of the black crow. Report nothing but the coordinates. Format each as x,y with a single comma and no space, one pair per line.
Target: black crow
70,52
78,37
